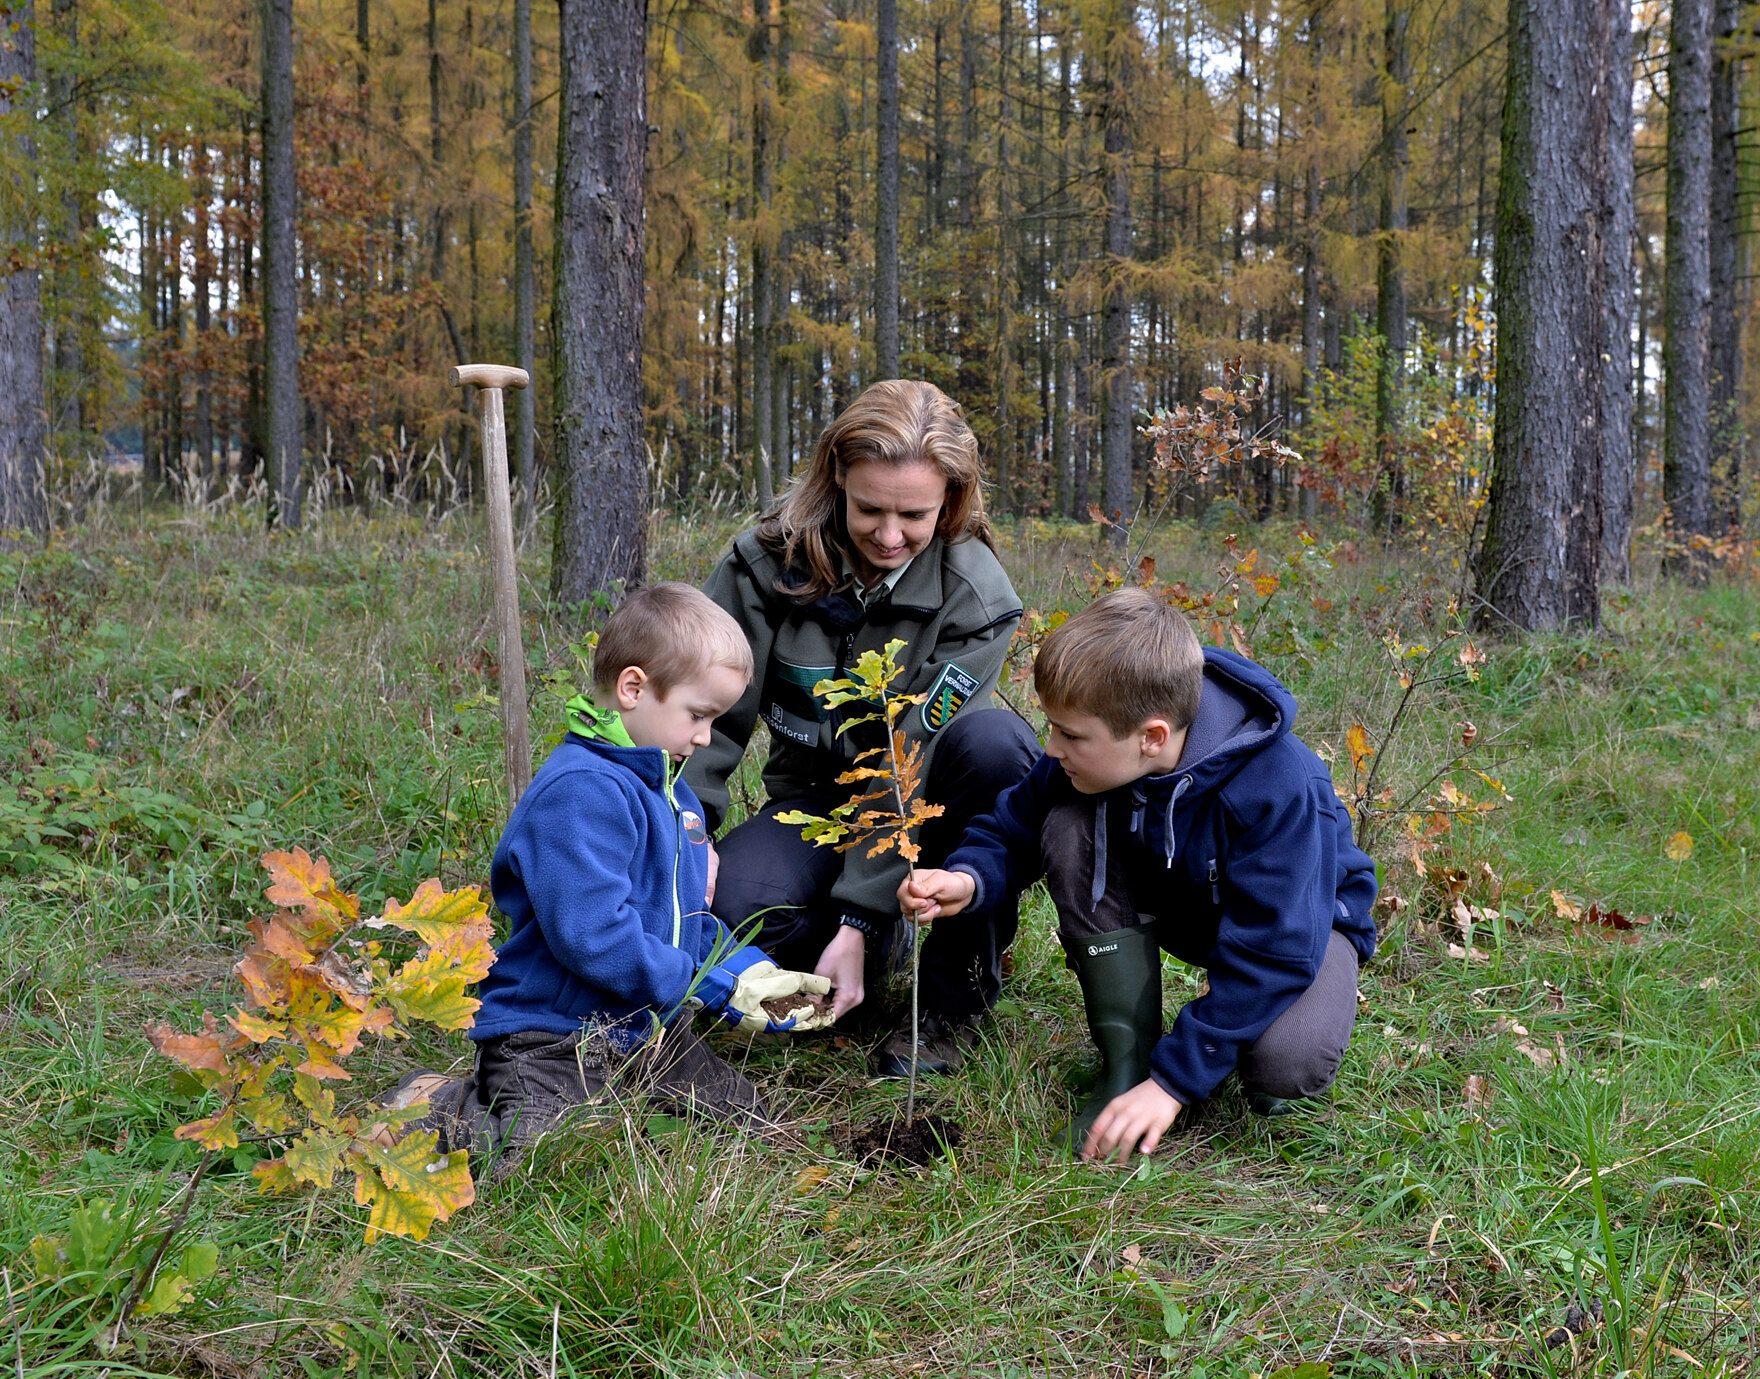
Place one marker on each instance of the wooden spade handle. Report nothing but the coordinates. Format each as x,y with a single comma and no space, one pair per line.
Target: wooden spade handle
488,376
504,568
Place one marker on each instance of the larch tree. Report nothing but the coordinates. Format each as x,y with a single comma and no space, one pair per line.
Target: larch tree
282,418
597,307
525,405
1539,566
23,502
1686,441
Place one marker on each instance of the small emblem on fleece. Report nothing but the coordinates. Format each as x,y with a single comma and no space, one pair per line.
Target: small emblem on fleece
693,826
948,696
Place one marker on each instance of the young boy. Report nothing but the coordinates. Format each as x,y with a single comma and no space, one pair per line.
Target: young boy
604,873
1175,809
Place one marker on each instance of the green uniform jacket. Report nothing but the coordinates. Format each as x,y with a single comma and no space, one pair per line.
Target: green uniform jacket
956,612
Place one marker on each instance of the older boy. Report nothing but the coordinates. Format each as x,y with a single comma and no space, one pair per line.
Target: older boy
1174,808
604,873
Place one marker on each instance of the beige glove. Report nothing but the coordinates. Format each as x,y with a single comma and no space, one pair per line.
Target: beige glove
765,981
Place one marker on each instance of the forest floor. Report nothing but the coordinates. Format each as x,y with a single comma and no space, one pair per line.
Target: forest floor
1539,1122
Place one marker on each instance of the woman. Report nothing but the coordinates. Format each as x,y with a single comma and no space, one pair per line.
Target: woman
882,537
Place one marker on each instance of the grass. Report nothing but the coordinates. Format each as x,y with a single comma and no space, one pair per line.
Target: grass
180,694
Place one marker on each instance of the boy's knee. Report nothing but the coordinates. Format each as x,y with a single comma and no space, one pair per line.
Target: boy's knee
1290,1064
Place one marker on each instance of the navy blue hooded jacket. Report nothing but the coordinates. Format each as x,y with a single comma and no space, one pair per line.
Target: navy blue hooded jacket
602,872
1257,854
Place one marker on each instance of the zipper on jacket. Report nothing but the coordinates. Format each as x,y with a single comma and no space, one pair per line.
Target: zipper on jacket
1215,889
677,848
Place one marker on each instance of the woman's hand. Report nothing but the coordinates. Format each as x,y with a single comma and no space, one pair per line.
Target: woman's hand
714,871
842,963
925,894
1137,1119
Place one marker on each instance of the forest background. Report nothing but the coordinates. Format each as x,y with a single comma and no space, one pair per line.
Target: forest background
1085,193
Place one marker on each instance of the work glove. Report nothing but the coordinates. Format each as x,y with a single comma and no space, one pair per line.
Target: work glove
765,981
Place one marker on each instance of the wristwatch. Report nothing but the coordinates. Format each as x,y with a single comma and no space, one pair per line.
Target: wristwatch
860,923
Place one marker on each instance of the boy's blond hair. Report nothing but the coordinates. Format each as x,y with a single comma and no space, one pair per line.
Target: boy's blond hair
671,632
1125,658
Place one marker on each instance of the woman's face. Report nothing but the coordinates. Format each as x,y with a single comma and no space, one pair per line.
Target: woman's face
891,512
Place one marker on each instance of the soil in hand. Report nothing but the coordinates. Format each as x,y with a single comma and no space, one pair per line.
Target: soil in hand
781,1007
918,1143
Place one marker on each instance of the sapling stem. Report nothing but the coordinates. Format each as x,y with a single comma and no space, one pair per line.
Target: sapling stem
910,1096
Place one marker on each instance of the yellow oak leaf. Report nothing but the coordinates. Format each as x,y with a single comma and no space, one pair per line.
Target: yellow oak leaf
430,988
318,1099
269,1114
218,1131
298,882
265,977
393,1212
434,913
275,935
274,1176
255,1027
1356,740
315,1157
1679,847
318,1063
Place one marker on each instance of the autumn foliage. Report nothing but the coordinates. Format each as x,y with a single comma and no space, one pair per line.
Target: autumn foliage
318,979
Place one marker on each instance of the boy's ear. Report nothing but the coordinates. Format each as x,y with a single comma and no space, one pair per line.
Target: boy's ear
627,688
1154,736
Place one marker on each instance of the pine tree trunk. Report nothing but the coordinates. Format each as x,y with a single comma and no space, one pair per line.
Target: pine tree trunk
525,404
1728,292
1115,311
281,400
1390,281
763,355
1539,566
1686,441
201,281
886,197
1618,468
596,334
24,511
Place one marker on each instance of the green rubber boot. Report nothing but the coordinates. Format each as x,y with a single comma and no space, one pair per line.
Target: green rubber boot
1120,975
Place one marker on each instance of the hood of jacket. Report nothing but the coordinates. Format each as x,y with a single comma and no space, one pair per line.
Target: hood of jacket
1242,710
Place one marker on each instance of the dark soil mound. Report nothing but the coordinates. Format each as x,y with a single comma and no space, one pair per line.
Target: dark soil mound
918,1143
784,1006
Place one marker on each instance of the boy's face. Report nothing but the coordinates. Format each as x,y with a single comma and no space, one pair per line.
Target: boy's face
1096,761
677,722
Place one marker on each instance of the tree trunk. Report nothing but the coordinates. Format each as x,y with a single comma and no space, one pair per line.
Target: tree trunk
886,198
1539,565
24,511
1618,469
202,283
1727,278
525,404
763,349
1115,311
1686,441
281,400
1390,281
600,457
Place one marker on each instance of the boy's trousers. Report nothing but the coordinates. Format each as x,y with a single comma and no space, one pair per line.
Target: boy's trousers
769,874
1299,1055
529,1083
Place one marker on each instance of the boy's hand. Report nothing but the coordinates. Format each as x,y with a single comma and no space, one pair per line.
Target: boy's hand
1137,1119
924,895
841,962
764,983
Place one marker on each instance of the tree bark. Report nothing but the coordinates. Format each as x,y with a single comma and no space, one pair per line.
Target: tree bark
24,510
1618,467
763,350
524,268
1686,441
886,197
1728,291
600,456
1390,280
281,400
1539,566
1115,310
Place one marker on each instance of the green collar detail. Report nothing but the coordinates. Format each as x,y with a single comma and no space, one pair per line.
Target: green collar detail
589,720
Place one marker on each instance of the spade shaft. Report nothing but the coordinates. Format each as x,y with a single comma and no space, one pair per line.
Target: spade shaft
516,739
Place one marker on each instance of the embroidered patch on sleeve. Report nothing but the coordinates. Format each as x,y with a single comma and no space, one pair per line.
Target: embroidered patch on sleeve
951,690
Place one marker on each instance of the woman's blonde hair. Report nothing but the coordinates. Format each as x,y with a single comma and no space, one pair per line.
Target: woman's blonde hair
896,422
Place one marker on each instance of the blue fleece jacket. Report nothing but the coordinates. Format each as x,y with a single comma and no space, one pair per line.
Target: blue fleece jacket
1256,851
601,873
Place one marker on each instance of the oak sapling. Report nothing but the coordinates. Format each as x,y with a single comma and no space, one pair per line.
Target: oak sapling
887,812
315,986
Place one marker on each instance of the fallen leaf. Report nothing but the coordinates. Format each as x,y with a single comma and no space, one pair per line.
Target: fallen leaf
1554,996
1133,1254
1469,732
1478,1092
1468,954
1679,847
1565,907
1710,984
810,1177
